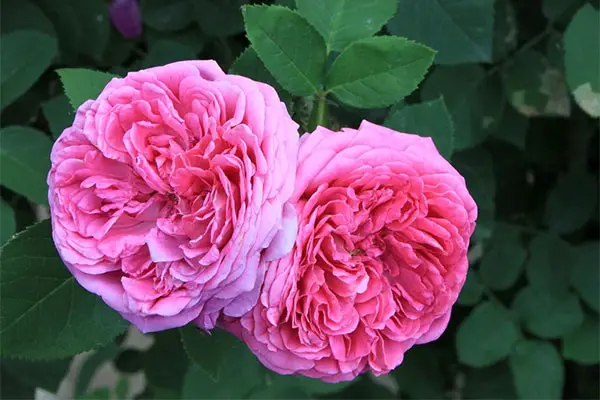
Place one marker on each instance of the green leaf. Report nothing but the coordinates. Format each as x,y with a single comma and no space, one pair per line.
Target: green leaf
37,290
83,84
512,128
219,17
342,22
565,212
461,31
472,290
582,345
166,15
249,65
25,162
477,168
239,375
503,261
25,56
535,87
491,383
291,49
582,59
486,336
165,375
7,222
41,374
538,371
59,114
378,71
585,274
429,119
547,314
409,374
166,51
24,15
549,264
211,351
475,103
505,29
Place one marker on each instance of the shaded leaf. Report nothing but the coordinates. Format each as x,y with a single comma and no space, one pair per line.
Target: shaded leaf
582,345
12,388
219,17
505,29
461,31
238,377
472,290
40,374
26,16
429,119
486,336
567,212
83,27
504,260
25,56
166,51
308,386
38,290
7,222
550,259
25,162
409,374
538,371
59,114
512,128
547,314
165,375
476,166
585,274
167,15
535,87
211,351
474,101
492,383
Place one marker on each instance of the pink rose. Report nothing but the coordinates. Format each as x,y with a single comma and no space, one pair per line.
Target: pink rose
169,193
379,259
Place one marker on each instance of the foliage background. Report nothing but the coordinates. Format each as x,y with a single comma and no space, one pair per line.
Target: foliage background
512,100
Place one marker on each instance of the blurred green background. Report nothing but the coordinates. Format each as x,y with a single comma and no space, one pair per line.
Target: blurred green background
526,139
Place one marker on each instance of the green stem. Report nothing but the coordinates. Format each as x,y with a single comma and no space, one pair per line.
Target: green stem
321,117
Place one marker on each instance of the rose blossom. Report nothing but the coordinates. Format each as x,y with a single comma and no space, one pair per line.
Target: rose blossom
167,189
379,260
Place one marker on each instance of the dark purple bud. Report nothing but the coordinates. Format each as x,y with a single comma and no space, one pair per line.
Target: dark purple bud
126,17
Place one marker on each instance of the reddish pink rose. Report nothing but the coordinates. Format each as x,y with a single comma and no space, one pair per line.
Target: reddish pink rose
169,193
379,259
